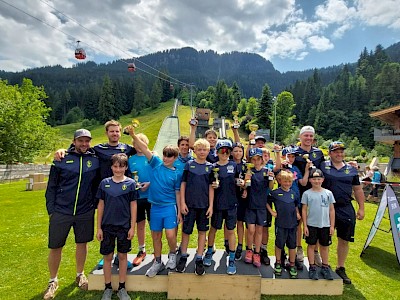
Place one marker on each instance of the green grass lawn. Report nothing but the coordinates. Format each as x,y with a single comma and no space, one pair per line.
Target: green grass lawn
23,256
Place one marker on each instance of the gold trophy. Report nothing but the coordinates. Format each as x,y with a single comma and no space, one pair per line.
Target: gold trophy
307,159
216,175
193,120
136,178
249,173
236,124
253,128
135,124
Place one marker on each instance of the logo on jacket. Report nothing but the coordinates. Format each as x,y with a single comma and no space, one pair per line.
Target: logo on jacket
314,155
124,187
89,163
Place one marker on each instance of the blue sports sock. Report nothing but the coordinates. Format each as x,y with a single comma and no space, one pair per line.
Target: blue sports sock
210,249
199,257
231,255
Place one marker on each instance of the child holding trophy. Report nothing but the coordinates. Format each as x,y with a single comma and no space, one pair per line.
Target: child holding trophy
225,173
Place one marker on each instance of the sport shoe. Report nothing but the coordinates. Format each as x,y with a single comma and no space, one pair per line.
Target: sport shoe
156,268
312,273
82,282
171,263
248,259
231,270
207,259
256,260
51,290
107,294
139,258
326,273
317,259
238,253
199,268
123,295
181,266
278,269
300,254
341,271
265,258
293,272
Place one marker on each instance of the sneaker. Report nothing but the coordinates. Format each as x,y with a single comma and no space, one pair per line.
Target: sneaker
312,273
293,272
256,260
139,258
300,254
326,273
341,271
107,294
278,269
82,282
199,269
100,264
181,266
238,253
248,259
51,290
129,265
231,270
264,257
317,259
156,268
207,259
171,263
123,295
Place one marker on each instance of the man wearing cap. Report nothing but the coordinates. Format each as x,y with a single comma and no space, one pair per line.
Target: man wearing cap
70,202
342,180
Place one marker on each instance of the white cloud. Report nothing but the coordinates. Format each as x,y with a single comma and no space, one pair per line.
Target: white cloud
320,43
382,13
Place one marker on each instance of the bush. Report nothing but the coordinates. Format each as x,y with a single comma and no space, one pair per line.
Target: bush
74,115
86,123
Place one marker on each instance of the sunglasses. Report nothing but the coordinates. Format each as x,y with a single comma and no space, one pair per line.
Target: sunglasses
224,151
168,154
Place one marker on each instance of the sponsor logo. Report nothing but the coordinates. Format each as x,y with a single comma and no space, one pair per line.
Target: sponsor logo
69,161
107,185
89,163
124,187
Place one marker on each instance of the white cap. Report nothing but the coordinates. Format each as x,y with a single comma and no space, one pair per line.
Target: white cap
307,129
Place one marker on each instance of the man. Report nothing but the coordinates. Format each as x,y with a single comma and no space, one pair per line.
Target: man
70,203
342,179
185,153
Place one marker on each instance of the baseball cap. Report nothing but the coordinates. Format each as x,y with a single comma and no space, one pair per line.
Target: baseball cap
336,145
255,151
316,173
82,132
223,143
307,129
260,137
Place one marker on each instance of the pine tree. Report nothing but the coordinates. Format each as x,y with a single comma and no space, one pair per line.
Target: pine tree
107,101
264,109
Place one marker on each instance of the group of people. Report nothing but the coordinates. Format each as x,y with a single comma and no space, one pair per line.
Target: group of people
195,182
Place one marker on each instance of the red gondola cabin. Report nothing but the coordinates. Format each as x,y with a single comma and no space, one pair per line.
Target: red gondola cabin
79,52
131,67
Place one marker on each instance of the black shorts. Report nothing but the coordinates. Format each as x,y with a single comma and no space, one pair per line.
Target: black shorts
112,233
60,225
345,228
318,234
229,215
197,215
143,210
241,210
285,236
260,217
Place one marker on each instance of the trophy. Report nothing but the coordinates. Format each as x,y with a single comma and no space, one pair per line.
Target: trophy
249,173
136,178
135,124
253,128
193,120
216,175
307,159
236,124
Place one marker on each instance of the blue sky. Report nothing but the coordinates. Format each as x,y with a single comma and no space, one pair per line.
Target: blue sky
293,35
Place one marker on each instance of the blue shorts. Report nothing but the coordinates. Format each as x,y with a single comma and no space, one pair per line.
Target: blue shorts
229,215
260,217
163,217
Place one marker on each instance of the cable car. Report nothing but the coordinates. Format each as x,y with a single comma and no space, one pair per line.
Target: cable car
79,52
131,67
171,87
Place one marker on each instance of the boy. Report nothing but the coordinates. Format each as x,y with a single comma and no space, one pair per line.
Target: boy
116,219
319,222
256,215
286,215
225,203
197,196
165,202
139,163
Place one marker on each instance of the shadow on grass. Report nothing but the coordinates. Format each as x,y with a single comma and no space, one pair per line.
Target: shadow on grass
71,292
382,261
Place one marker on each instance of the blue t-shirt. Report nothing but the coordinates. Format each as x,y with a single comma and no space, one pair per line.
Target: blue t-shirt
212,156
285,203
180,162
164,183
140,164
318,207
257,193
376,178
197,178
296,176
225,194
117,198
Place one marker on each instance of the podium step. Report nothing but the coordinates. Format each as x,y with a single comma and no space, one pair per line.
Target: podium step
248,283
